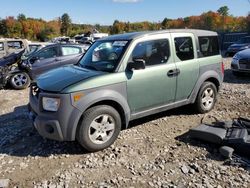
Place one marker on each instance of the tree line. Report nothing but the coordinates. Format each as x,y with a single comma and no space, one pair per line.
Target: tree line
41,30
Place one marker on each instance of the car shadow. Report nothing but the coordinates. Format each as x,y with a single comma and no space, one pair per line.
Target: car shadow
19,138
232,79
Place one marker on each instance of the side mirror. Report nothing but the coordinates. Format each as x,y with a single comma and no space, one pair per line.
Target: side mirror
137,64
33,59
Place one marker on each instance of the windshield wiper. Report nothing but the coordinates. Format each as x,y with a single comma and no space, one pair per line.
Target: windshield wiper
90,67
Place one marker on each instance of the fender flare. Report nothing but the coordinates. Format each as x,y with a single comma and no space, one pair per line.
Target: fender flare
93,98
205,76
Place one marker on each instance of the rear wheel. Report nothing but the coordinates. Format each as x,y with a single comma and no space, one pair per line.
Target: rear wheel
99,128
206,98
20,80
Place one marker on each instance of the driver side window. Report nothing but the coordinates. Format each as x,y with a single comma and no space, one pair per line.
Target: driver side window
153,52
48,53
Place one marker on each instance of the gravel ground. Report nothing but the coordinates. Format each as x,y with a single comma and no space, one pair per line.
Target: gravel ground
154,152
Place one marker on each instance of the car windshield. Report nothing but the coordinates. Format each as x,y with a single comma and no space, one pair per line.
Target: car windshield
244,40
104,55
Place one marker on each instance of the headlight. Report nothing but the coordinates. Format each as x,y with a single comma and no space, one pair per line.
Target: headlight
244,47
51,104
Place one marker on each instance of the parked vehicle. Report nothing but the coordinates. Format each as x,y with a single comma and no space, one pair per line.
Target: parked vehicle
241,62
50,57
242,44
125,77
8,46
33,47
65,40
10,72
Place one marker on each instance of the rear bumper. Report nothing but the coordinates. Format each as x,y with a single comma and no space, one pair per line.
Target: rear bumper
60,125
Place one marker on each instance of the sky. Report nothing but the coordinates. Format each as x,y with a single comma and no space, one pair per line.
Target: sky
104,12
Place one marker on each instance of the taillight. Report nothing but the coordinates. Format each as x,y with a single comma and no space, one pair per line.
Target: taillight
222,68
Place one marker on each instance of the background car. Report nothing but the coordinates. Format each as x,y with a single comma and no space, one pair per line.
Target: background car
242,44
50,57
10,72
9,46
241,62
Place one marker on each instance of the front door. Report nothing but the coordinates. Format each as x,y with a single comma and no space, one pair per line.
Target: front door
187,64
46,61
153,86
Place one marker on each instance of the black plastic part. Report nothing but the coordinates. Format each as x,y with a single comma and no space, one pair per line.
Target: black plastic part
208,133
226,151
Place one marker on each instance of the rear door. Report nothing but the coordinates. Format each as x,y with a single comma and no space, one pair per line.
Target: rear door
69,55
185,55
2,50
152,86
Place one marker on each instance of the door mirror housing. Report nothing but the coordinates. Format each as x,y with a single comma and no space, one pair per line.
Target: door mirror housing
137,64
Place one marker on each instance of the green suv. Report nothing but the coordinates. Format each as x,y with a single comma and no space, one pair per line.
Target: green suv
125,77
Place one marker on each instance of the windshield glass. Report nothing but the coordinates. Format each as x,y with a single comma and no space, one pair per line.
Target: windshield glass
104,55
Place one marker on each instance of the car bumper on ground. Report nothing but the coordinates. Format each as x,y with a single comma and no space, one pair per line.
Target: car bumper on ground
60,125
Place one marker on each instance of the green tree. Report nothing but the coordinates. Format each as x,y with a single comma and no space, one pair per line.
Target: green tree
165,23
248,22
223,11
21,17
65,24
3,28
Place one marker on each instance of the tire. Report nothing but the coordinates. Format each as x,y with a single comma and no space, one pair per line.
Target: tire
93,133
20,80
206,97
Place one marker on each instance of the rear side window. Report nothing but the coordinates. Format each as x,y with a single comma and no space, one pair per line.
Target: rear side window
48,53
15,44
70,50
209,46
153,52
1,46
184,48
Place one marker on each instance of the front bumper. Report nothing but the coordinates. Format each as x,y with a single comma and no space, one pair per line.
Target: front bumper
238,66
60,125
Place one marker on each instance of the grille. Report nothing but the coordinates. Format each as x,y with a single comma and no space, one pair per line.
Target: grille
244,63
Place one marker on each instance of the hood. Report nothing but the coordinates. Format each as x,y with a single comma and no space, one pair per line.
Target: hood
238,45
11,59
58,79
244,54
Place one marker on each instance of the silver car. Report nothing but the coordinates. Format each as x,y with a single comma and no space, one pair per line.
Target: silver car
241,62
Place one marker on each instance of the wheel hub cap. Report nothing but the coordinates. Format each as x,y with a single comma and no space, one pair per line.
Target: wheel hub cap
101,129
207,98
20,79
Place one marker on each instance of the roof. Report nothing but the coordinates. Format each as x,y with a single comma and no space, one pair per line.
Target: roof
134,35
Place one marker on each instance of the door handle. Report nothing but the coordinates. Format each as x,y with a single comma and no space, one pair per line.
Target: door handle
173,72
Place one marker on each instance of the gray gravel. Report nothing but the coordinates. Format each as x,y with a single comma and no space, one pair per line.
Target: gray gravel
154,152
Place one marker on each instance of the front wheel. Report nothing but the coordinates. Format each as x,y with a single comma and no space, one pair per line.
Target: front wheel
99,128
206,98
20,80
